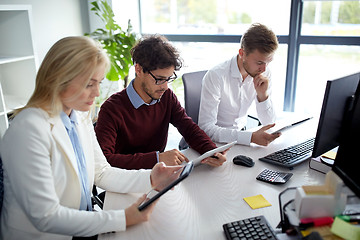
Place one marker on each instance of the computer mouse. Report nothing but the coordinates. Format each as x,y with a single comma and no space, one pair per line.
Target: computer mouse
243,161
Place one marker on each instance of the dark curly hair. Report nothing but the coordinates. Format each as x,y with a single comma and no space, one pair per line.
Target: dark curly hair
259,37
155,52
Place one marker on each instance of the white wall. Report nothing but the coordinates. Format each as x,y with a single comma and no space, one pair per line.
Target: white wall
54,19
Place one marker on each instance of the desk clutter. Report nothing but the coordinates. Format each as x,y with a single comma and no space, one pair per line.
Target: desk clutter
319,212
309,212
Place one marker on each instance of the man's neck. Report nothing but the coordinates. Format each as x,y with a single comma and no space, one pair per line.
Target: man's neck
137,87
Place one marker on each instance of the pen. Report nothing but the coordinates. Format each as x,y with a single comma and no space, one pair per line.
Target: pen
301,121
291,125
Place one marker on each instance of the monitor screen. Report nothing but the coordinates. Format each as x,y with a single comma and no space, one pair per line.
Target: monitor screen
337,99
347,158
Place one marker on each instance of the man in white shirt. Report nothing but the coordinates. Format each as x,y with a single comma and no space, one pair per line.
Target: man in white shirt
229,89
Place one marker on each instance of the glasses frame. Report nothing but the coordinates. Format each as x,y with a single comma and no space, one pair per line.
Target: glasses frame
162,81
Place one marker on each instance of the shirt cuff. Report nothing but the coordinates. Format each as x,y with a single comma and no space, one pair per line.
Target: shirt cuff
244,138
157,156
263,105
123,221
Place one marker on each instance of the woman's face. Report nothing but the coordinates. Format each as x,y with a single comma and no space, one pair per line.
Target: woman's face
79,98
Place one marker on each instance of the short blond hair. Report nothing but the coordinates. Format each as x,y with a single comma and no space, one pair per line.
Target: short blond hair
67,58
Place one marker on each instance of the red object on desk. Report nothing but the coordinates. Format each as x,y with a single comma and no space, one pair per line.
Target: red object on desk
317,221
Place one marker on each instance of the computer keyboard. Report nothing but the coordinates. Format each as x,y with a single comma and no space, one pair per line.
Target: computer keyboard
249,228
291,156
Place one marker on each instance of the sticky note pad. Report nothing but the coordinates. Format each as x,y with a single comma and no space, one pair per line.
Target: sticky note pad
345,230
257,201
330,155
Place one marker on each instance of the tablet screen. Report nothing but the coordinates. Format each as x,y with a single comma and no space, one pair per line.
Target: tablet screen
177,177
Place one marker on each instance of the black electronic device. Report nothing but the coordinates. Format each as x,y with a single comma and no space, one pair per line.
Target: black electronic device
338,98
177,177
291,156
243,160
346,161
249,228
273,176
337,102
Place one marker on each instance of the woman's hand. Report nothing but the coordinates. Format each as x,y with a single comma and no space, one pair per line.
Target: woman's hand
134,216
162,175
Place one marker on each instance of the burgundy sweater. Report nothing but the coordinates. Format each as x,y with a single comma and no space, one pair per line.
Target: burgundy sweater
130,137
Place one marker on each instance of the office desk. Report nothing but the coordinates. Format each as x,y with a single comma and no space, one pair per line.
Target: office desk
210,197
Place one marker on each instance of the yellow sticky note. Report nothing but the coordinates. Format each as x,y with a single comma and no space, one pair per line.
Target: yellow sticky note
330,155
345,230
257,201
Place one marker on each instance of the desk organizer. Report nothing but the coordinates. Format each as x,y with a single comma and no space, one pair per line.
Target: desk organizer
321,201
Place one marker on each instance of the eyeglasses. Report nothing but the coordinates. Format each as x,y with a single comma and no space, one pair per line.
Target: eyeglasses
162,81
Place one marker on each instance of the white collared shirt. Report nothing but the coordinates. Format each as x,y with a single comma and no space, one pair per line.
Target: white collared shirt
225,101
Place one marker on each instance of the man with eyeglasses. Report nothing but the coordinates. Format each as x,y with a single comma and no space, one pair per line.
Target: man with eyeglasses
132,125
230,88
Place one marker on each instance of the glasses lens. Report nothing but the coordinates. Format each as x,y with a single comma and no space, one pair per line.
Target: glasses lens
159,82
162,81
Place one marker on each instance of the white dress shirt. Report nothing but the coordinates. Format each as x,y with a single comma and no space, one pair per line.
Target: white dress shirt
225,101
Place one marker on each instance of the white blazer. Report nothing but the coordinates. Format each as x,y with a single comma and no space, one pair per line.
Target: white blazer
41,183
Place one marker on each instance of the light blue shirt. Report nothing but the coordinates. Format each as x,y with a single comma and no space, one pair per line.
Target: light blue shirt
70,125
135,99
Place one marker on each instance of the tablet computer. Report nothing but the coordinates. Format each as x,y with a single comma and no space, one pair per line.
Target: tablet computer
178,176
210,153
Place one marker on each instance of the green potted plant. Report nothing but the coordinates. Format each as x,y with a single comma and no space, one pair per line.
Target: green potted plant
115,41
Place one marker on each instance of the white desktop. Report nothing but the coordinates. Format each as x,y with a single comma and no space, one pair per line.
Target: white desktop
199,206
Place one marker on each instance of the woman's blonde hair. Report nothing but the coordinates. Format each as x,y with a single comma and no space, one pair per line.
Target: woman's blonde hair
68,58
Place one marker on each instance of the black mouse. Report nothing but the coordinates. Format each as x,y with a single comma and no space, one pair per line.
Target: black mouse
243,161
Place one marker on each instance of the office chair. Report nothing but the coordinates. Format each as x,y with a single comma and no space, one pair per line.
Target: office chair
1,185
97,198
192,93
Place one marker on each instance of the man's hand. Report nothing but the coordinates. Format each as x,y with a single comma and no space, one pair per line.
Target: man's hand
172,158
217,160
261,137
162,175
134,216
261,84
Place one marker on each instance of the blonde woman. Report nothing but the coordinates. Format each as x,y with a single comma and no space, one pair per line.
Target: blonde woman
51,157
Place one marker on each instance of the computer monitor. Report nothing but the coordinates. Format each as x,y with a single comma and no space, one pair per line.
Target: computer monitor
338,96
347,158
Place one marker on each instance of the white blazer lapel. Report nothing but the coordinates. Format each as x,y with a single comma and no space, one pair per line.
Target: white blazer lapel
62,138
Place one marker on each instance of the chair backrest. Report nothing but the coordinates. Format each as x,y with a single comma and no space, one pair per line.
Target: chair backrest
192,93
1,185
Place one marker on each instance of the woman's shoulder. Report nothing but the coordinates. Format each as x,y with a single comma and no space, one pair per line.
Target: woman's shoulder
31,115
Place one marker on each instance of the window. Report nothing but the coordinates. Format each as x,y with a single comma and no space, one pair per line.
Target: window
231,17
317,64
331,18
207,32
